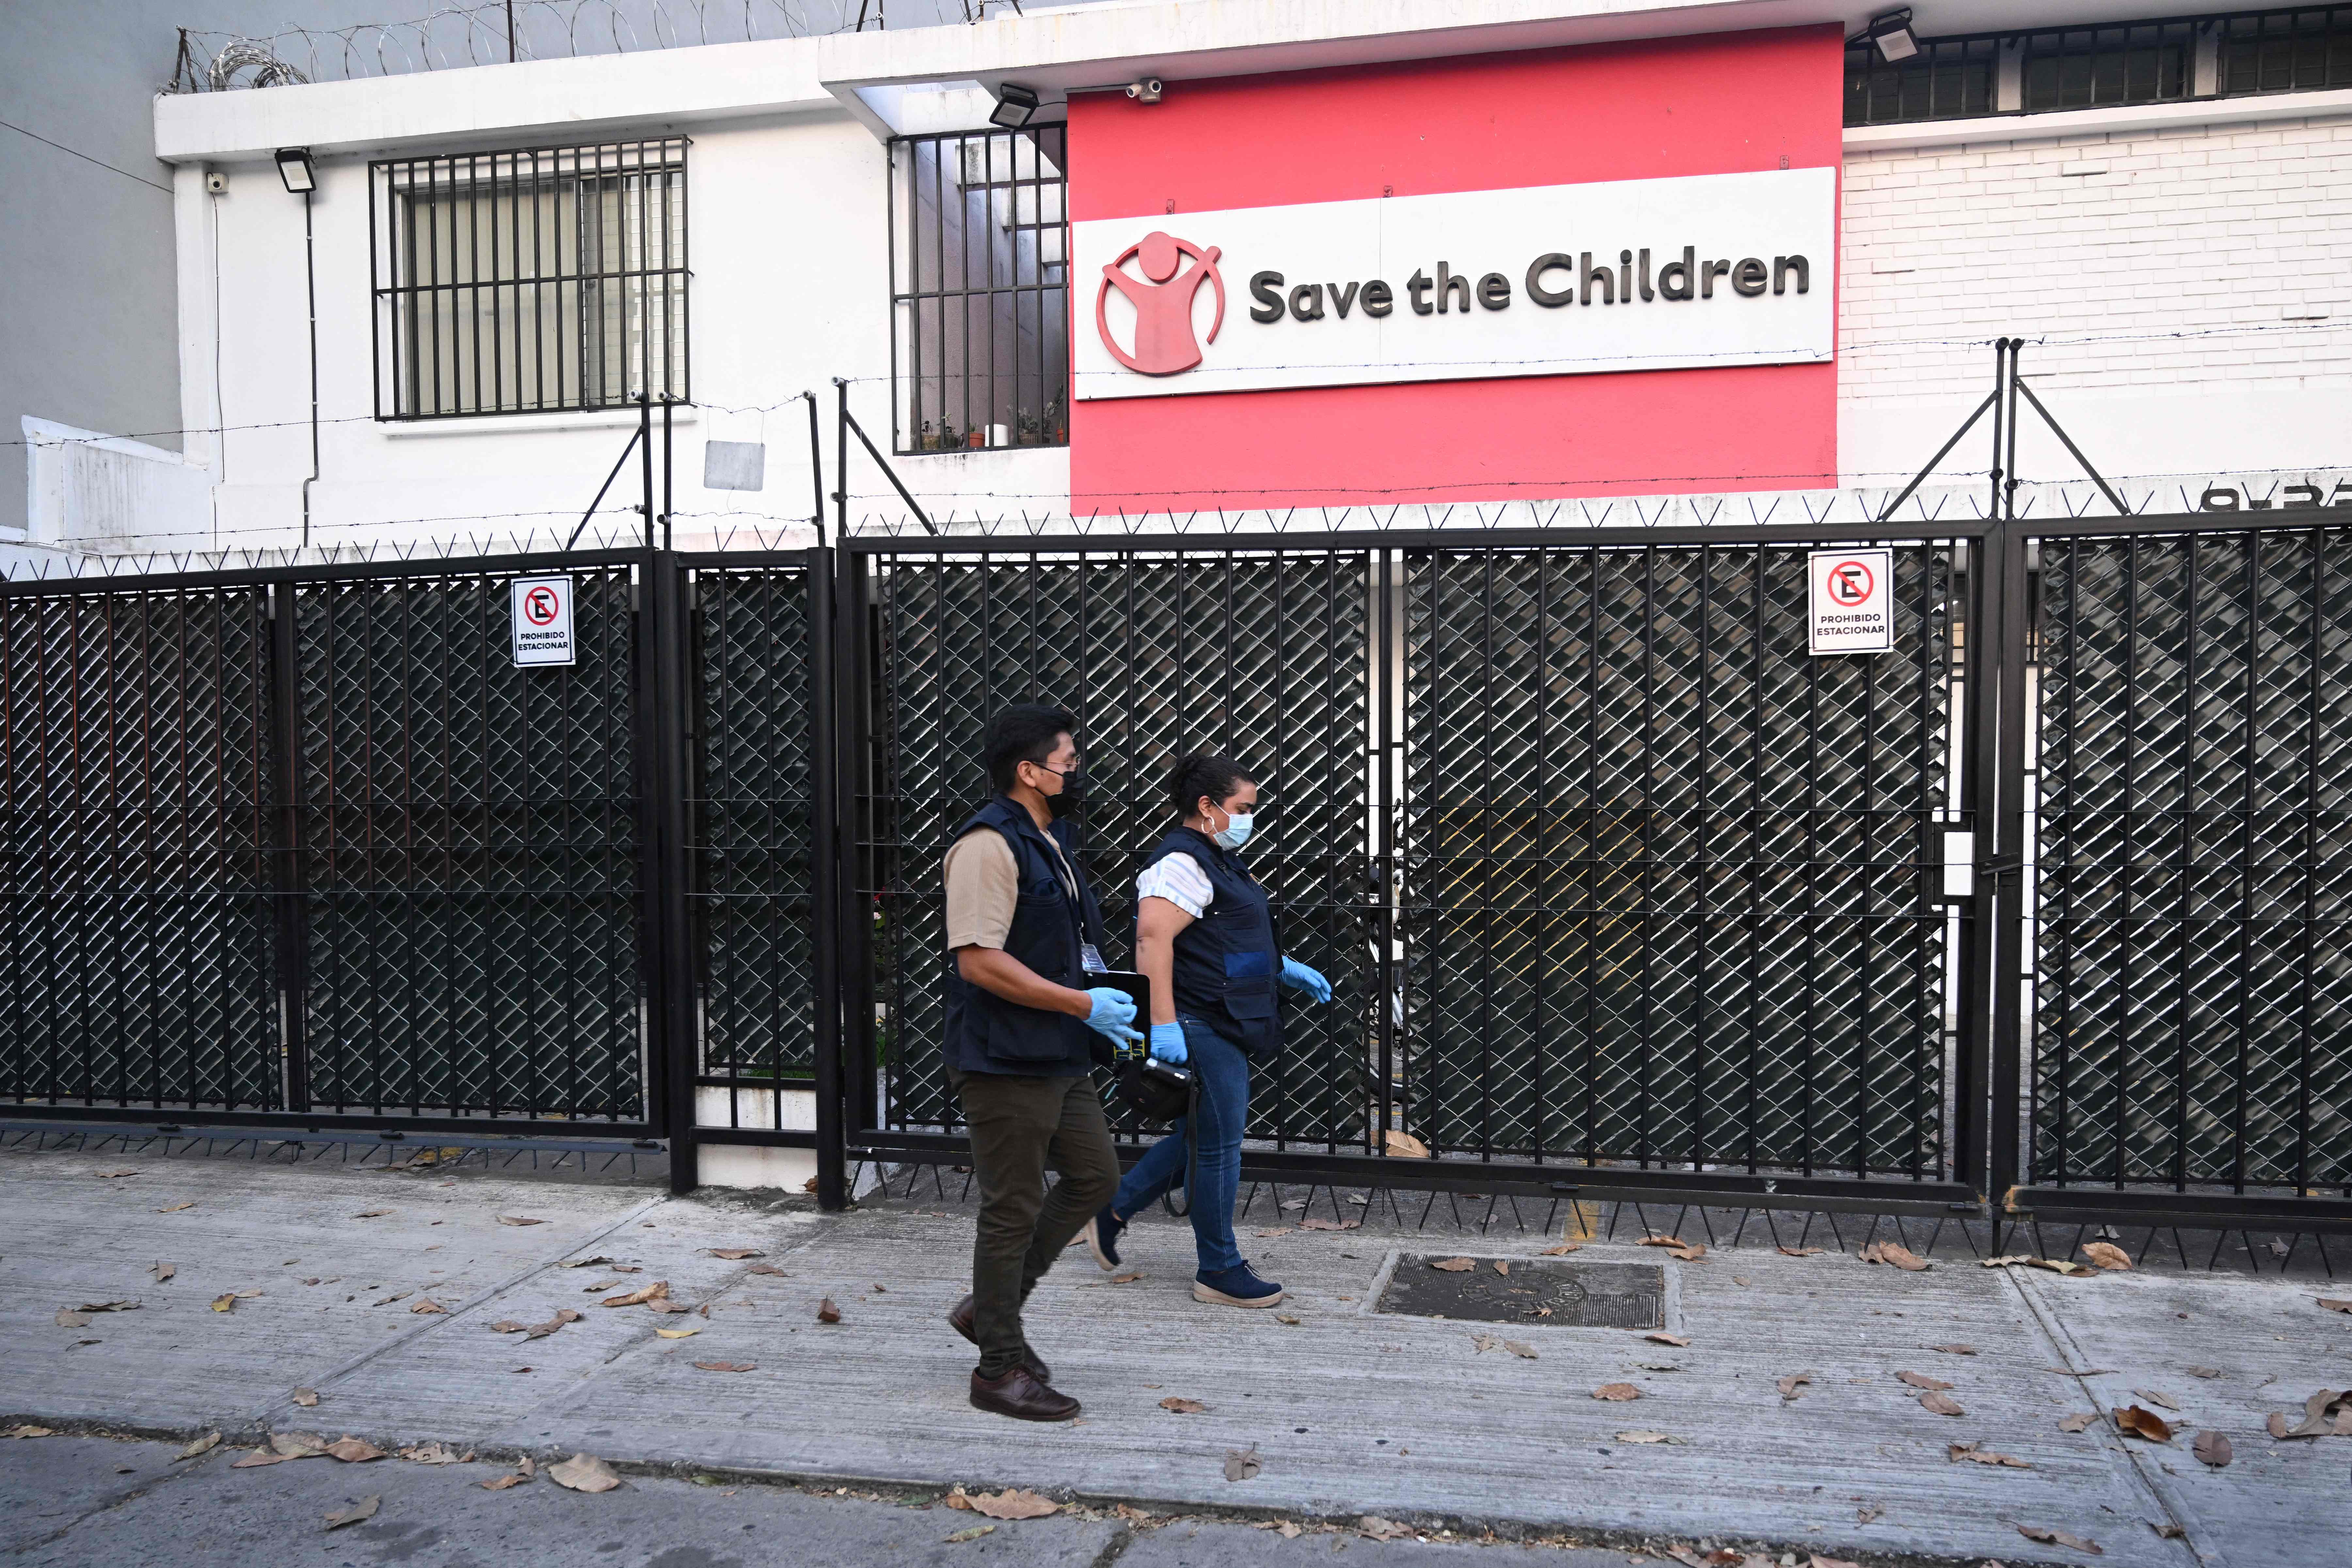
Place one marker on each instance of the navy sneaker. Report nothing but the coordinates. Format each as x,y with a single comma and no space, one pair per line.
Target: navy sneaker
1234,1288
1102,1238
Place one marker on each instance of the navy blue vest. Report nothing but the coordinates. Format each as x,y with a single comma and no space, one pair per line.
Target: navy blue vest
984,1032
1226,963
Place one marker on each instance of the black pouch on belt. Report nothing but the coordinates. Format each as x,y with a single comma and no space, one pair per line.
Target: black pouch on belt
1158,1091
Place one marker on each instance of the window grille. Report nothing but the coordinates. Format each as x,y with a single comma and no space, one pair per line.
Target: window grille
539,280
2112,66
2099,67
980,289
1950,79
2287,51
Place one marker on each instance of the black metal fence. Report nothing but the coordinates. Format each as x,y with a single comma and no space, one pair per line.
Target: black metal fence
1622,891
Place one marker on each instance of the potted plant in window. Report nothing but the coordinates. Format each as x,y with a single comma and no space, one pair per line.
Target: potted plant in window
977,436
1058,421
928,441
947,440
1029,429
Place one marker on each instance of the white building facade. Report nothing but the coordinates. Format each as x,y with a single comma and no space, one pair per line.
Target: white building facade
504,258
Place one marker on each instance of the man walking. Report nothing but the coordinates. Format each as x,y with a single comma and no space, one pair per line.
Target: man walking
1023,936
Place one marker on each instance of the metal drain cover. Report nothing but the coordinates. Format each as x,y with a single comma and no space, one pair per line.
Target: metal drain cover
1580,1295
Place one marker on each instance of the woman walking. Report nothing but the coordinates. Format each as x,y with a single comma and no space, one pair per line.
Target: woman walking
1204,934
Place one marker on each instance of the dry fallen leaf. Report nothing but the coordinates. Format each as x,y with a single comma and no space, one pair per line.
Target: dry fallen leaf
956,1498
1405,1145
298,1445
1454,1265
1955,1349
826,1312
2136,1421
1970,1451
1921,1380
112,1175
434,1454
2060,1537
1129,1277
2162,1400
1651,1438
1372,1527
2326,1412
1797,1251
736,1254
772,1269
1181,1407
2204,1372
1940,1403
220,1303
175,1208
583,1473
1664,1338
2106,1254
1502,1267
654,1291
503,1482
2333,1304
961,1536
354,1450
30,1431
1793,1385
306,1398
371,1213
728,1365
1311,1224
2213,1449
1563,1249
162,1272
2077,1422
1519,1348
1012,1503
201,1446
363,1509
583,1262
67,1317
1617,1390
677,1333
428,1308
1685,1251
1242,1464
518,1219
1821,1561
1895,1253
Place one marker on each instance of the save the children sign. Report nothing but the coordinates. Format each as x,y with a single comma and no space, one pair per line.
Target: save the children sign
1706,269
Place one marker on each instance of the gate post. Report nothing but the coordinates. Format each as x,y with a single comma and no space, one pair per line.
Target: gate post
674,1051
824,897
291,937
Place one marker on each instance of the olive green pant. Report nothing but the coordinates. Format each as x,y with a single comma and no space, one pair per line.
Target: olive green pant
1020,1126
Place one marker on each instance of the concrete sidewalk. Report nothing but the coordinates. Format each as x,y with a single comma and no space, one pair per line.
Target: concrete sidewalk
1349,1412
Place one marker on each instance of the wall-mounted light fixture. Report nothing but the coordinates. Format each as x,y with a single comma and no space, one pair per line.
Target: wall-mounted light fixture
1891,35
294,167
1144,92
1016,106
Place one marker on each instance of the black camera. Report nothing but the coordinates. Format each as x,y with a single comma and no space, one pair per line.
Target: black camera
1158,1091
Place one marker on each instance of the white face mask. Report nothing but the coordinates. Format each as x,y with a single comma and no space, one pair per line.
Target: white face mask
1235,833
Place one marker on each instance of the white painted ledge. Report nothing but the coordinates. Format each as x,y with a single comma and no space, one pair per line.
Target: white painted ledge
2068,122
681,417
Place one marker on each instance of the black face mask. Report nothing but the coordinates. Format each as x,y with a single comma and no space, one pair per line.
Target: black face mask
1072,797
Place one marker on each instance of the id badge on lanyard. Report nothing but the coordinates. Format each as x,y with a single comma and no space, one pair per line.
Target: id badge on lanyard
1091,956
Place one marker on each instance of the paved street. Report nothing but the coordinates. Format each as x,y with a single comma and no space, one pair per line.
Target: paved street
406,1302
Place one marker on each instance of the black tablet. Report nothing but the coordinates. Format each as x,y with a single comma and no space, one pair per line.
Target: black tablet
1135,985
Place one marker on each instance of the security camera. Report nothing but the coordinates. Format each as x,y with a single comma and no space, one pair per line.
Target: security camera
1144,92
216,182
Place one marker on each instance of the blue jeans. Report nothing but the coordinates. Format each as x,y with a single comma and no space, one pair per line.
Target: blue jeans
1223,1072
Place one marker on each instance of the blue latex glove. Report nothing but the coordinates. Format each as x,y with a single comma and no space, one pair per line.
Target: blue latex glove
1298,977
1112,1014
1168,1043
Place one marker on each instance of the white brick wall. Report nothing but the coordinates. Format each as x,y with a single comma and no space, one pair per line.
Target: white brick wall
2139,232
2109,239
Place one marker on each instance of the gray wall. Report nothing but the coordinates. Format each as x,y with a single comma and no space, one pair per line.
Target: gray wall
88,313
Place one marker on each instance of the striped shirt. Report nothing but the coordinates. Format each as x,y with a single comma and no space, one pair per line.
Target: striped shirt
1179,880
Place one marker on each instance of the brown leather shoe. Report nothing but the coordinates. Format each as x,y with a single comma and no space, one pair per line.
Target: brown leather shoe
965,1320
1021,1396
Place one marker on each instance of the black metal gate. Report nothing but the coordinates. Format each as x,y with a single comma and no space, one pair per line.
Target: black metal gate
1622,890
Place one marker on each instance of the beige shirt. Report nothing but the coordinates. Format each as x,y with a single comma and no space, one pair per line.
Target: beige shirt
983,882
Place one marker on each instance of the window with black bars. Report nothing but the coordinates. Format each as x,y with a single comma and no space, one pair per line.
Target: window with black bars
539,280
2113,65
980,289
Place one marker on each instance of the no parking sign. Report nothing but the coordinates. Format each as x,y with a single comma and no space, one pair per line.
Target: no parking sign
1853,601
541,615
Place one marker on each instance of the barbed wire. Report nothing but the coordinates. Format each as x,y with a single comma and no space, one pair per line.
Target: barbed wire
1851,346
454,37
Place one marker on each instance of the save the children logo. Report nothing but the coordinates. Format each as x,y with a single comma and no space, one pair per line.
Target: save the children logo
1162,298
